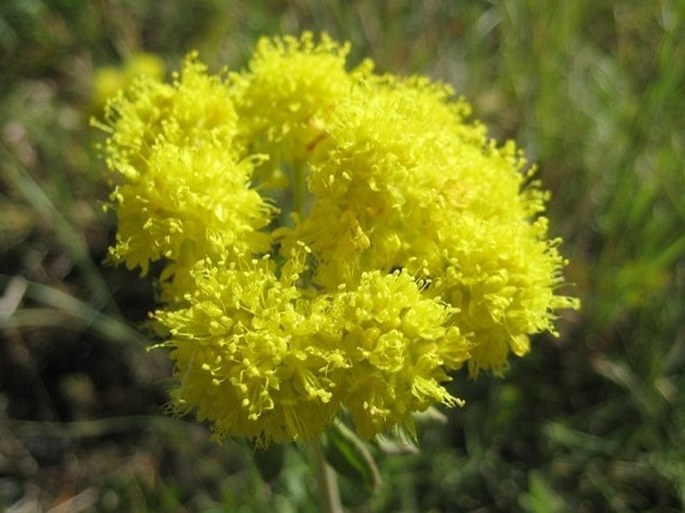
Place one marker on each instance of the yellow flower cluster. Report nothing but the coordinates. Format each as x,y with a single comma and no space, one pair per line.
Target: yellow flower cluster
330,240
183,190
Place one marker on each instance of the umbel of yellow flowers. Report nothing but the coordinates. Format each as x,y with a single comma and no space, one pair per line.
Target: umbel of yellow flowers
329,239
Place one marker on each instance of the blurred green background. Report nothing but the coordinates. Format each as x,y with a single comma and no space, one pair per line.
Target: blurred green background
594,421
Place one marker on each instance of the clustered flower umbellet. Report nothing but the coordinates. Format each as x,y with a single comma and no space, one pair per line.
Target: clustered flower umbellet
329,239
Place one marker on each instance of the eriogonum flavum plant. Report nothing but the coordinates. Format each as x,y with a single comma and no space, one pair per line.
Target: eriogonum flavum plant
330,239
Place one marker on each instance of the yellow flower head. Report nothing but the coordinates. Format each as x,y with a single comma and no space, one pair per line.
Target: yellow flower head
334,241
182,185
286,97
253,354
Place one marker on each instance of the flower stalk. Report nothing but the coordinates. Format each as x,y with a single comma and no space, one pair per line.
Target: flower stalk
328,483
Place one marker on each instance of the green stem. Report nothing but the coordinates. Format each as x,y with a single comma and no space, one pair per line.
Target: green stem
299,187
328,483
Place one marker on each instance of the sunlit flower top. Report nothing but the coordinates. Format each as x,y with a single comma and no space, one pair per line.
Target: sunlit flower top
330,240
